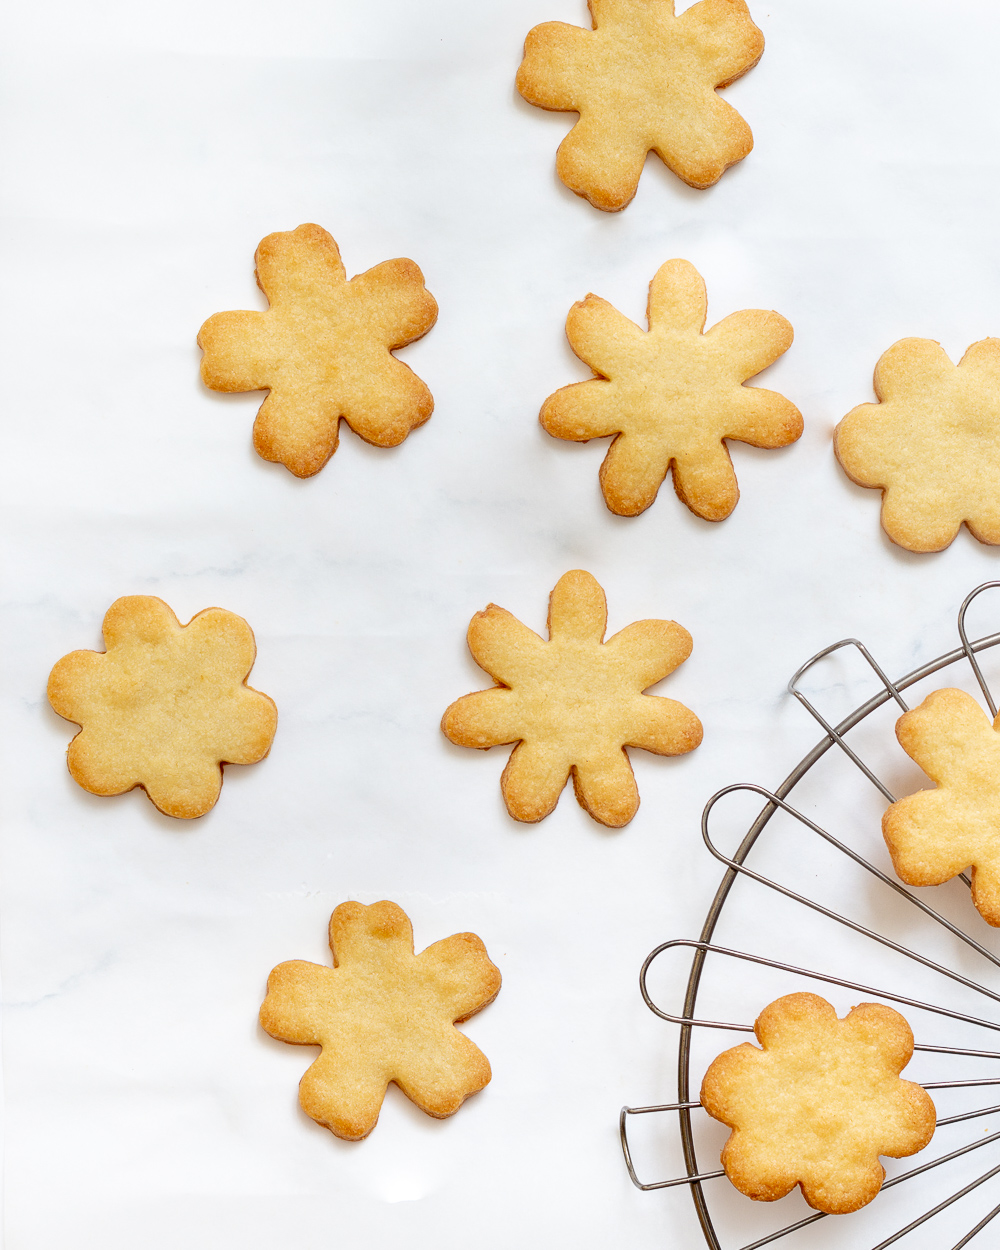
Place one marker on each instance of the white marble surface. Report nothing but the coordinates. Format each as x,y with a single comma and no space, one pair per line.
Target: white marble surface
145,150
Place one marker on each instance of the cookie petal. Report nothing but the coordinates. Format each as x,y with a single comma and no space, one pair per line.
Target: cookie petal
664,727
578,607
344,1093
763,418
751,340
602,337
726,41
240,351
385,401
509,651
288,1012
300,267
702,139
549,75
533,780
463,978
649,650
677,298
439,1078
488,718
581,411
394,303
298,430
601,160
605,786
632,473
706,483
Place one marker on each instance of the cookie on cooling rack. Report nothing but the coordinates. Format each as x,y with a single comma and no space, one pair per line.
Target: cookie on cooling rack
818,1102
574,703
382,1014
934,835
673,395
323,350
931,444
165,706
643,80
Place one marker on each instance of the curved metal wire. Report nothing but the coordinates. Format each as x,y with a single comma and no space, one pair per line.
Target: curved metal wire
736,867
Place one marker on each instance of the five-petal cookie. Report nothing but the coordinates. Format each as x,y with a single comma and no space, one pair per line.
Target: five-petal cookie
382,1014
818,1103
931,444
934,835
165,706
673,395
323,349
574,703
643,80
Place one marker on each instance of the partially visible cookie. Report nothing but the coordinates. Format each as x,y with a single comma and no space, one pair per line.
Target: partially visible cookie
673,395
934,835
165,706
323,350
643,80
818,1103
574,703
931,444
382,1014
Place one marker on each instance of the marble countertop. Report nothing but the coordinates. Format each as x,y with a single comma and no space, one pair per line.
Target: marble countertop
146,150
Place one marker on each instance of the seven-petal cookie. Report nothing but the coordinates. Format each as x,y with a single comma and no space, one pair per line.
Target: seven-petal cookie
324,350
382,1014
819,1103
672,395
574,703
934,835
931,443
165,706
643,80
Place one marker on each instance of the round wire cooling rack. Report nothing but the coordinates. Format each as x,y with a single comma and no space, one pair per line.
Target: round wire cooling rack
937,959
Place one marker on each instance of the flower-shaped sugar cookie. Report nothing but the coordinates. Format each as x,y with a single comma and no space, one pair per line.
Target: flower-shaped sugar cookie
574,703
382,1014
931,443
934,835
819,1103
643,80
165,706
323,349
673,395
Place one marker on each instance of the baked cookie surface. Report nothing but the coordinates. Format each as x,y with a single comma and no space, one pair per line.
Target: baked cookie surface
574,703
323,349
934,835
382,1014
643,80
931,444
818,1102
672,395
165,706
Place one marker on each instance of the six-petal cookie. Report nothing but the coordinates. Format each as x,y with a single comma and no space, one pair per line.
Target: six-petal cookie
323,349
165,706
819,1103
934,835
643,80
931,443
574,703
382,1014
672,395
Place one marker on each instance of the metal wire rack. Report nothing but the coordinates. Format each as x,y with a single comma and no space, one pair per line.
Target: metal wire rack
959,963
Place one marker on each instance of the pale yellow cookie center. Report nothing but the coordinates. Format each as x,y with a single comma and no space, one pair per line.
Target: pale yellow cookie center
577,703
